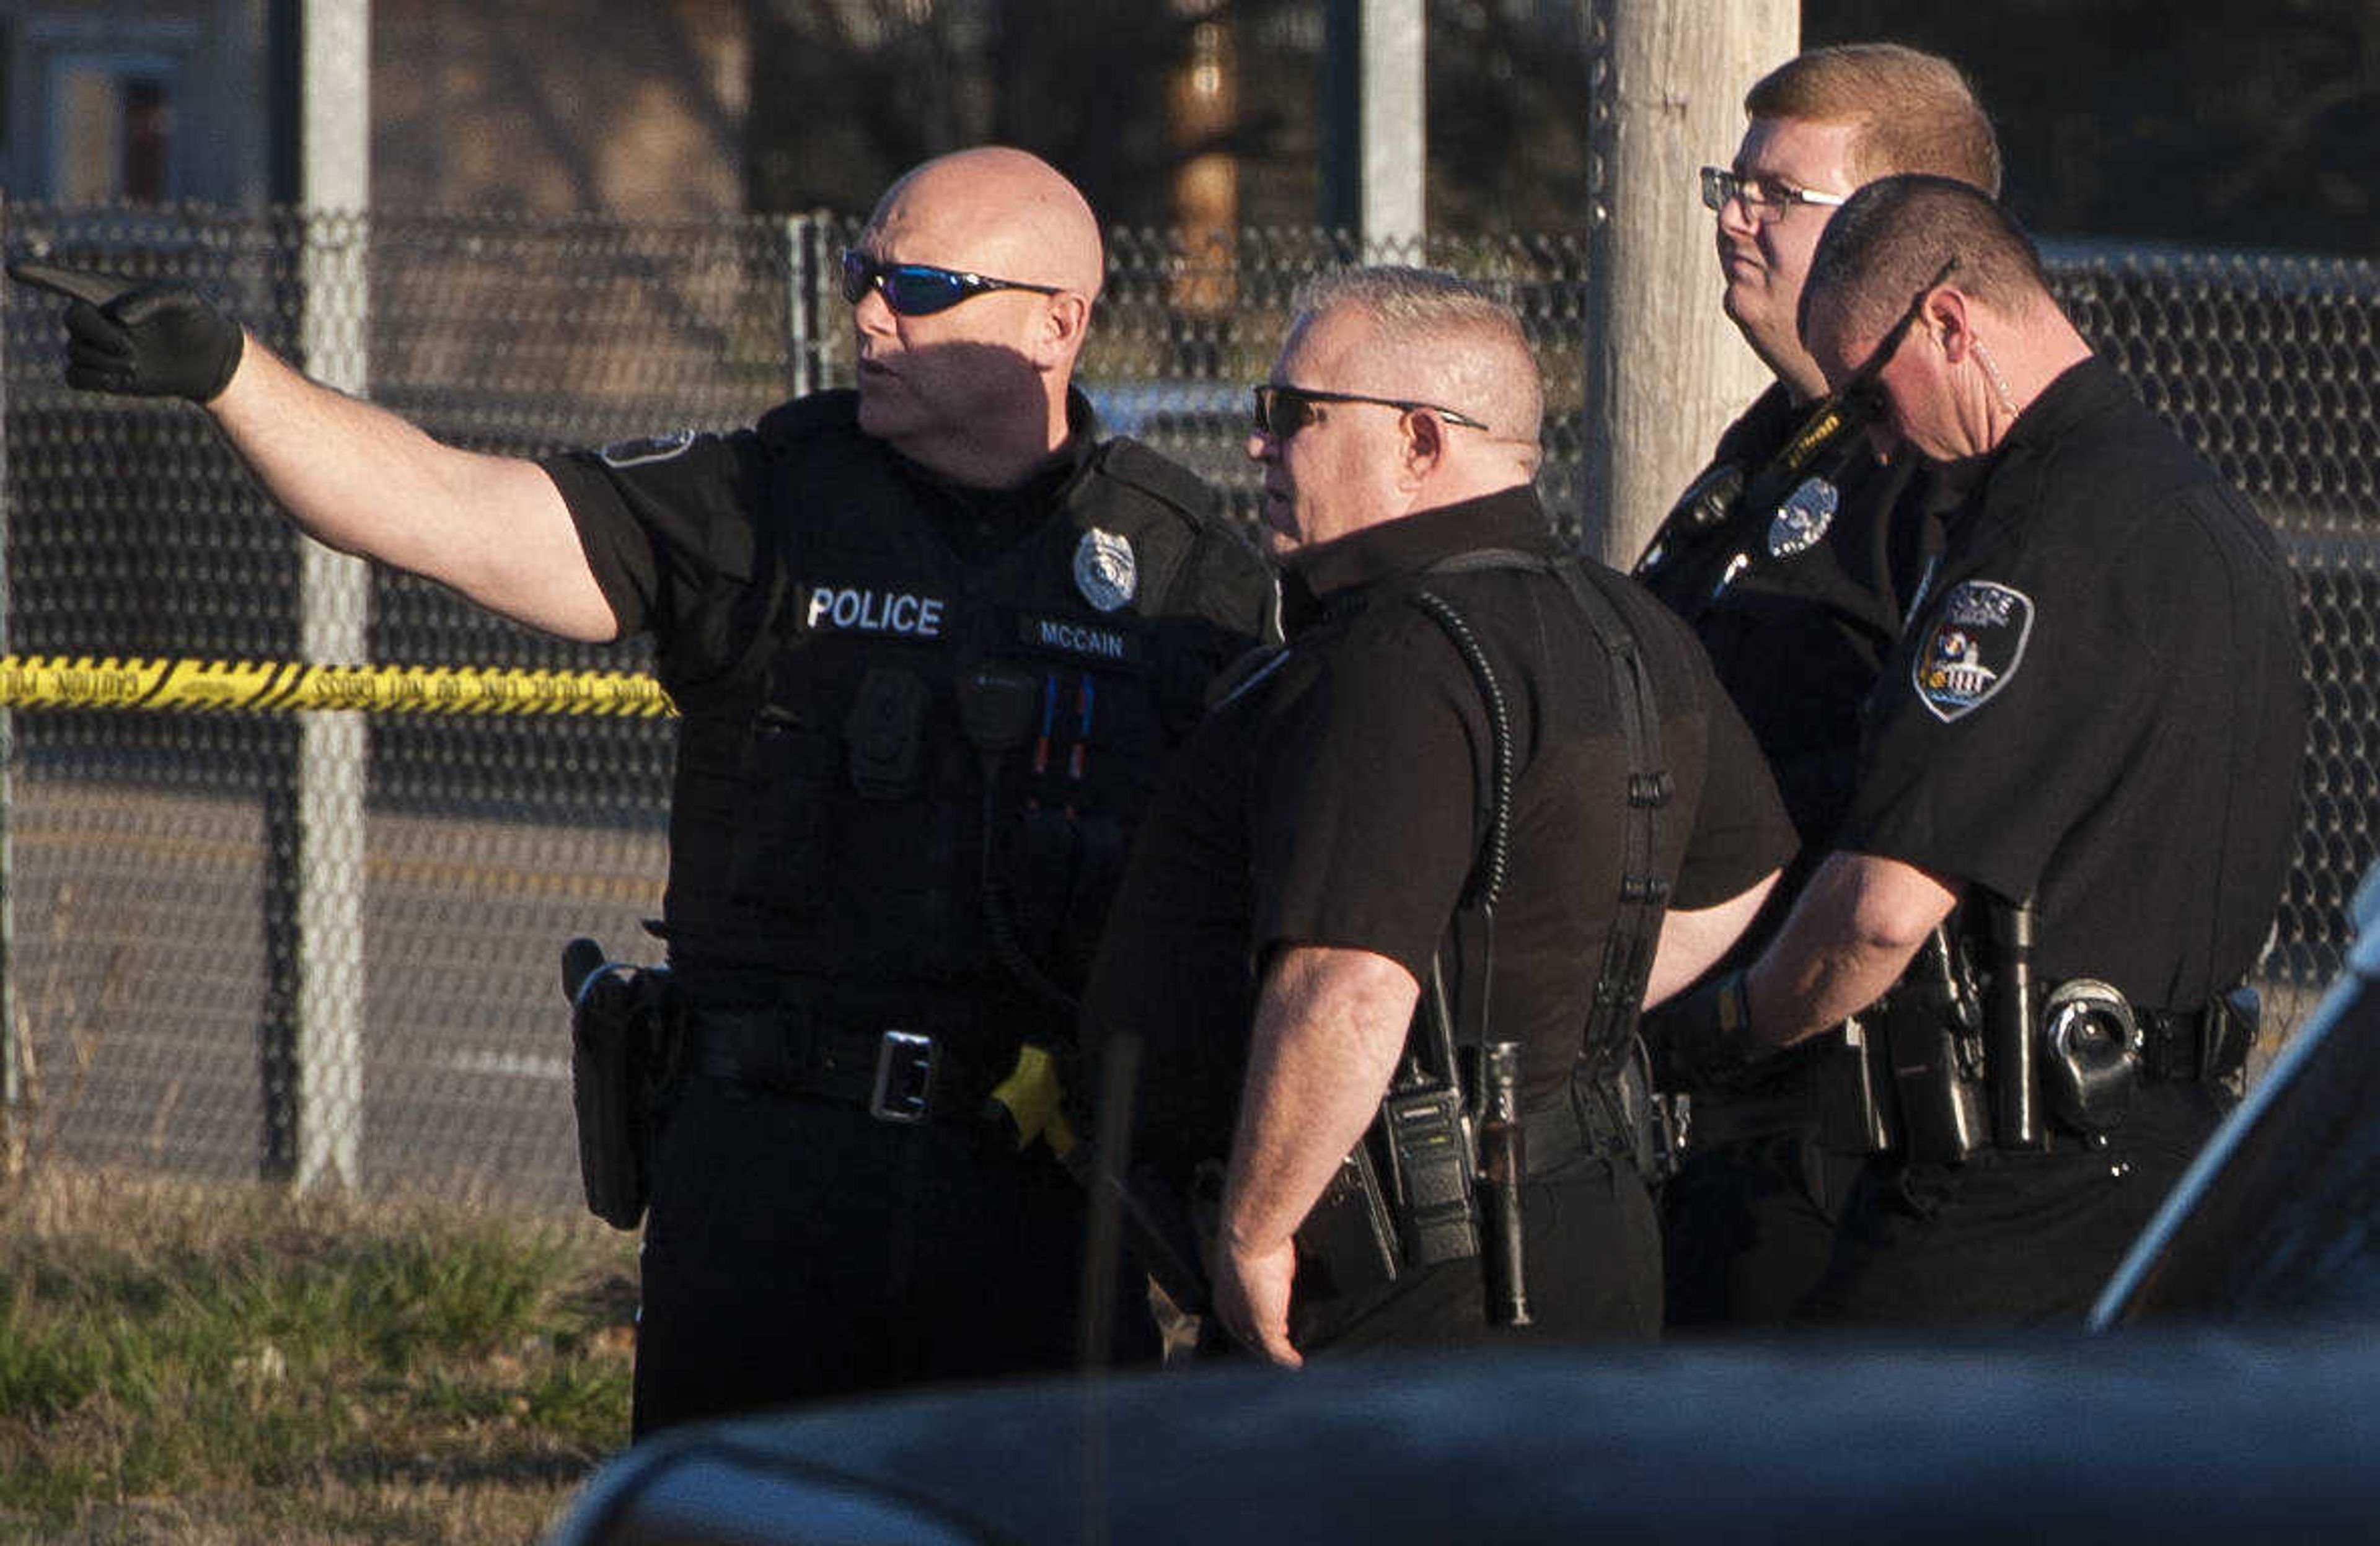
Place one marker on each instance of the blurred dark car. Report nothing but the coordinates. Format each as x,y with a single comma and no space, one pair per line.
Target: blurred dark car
2227,1389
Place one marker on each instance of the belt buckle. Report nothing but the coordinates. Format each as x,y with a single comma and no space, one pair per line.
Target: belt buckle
905,1075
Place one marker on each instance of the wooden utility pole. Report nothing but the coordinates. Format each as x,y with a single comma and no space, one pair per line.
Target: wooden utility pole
1665,368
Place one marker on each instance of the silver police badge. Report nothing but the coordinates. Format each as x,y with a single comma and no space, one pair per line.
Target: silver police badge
1972,649
1105,570
1804,518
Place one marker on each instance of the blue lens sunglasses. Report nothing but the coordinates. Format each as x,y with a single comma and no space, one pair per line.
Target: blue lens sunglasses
921,289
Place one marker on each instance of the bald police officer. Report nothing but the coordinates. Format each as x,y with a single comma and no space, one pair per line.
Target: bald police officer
881,887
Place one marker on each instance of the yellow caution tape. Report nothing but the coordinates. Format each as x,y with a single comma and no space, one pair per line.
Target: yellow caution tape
275,687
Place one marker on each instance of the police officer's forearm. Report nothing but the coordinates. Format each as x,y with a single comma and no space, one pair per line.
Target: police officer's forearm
363,481
1693,939
1330,1025
1850,934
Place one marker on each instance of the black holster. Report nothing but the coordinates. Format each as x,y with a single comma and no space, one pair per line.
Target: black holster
1625,1118
624,1038
1933,1025
1349,1246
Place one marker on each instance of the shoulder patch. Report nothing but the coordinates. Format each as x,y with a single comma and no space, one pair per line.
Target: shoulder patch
1972,649
646,448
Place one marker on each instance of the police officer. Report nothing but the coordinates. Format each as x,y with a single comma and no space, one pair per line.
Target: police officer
1791,555
2073,807
1294,892
928,639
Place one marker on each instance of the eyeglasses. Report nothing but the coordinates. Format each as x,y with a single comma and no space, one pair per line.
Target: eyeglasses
1860,391
1282,411
1768,199
921,289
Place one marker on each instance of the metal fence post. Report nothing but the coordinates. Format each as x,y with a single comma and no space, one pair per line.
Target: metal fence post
1395,112
333,598
1377,139
801,304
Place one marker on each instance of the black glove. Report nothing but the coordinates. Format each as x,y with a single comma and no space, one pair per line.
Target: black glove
1704,1040
144,338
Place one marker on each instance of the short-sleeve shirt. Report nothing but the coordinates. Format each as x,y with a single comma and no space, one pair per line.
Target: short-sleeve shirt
1335,798
2099,703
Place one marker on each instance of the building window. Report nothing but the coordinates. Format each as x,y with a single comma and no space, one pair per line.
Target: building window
111,128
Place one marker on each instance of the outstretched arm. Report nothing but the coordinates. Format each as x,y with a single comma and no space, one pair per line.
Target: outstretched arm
363,481
352,476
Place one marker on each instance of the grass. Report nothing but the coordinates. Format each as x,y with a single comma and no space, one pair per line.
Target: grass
189,1363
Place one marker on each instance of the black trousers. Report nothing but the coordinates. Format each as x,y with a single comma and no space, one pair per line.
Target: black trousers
797,1250
1747,1228
2005,1238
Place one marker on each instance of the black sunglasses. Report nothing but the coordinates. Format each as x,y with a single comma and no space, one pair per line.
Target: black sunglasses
1860,387
921,289
1282,411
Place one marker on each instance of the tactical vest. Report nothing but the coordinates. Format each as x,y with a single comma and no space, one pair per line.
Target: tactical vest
923,772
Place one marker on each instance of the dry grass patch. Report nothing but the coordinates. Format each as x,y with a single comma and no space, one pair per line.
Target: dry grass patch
187,1363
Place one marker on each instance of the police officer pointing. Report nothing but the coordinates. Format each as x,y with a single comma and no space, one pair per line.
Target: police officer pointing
2073,811
929,640
1791,555
1402,891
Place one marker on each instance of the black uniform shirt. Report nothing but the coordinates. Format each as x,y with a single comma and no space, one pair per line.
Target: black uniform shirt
667,523
1334,799
2099,702
1798,611
816,598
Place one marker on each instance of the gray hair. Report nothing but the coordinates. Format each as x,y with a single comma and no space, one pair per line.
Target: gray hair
1460,328
1412,305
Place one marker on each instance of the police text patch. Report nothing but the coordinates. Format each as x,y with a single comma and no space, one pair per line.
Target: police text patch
1973,648
850,610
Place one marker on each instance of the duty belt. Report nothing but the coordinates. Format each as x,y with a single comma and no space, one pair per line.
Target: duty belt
892,1073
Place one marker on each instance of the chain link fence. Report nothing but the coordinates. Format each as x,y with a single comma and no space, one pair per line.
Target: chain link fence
174,997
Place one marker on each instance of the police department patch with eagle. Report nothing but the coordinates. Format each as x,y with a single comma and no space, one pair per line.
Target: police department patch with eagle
1972,649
